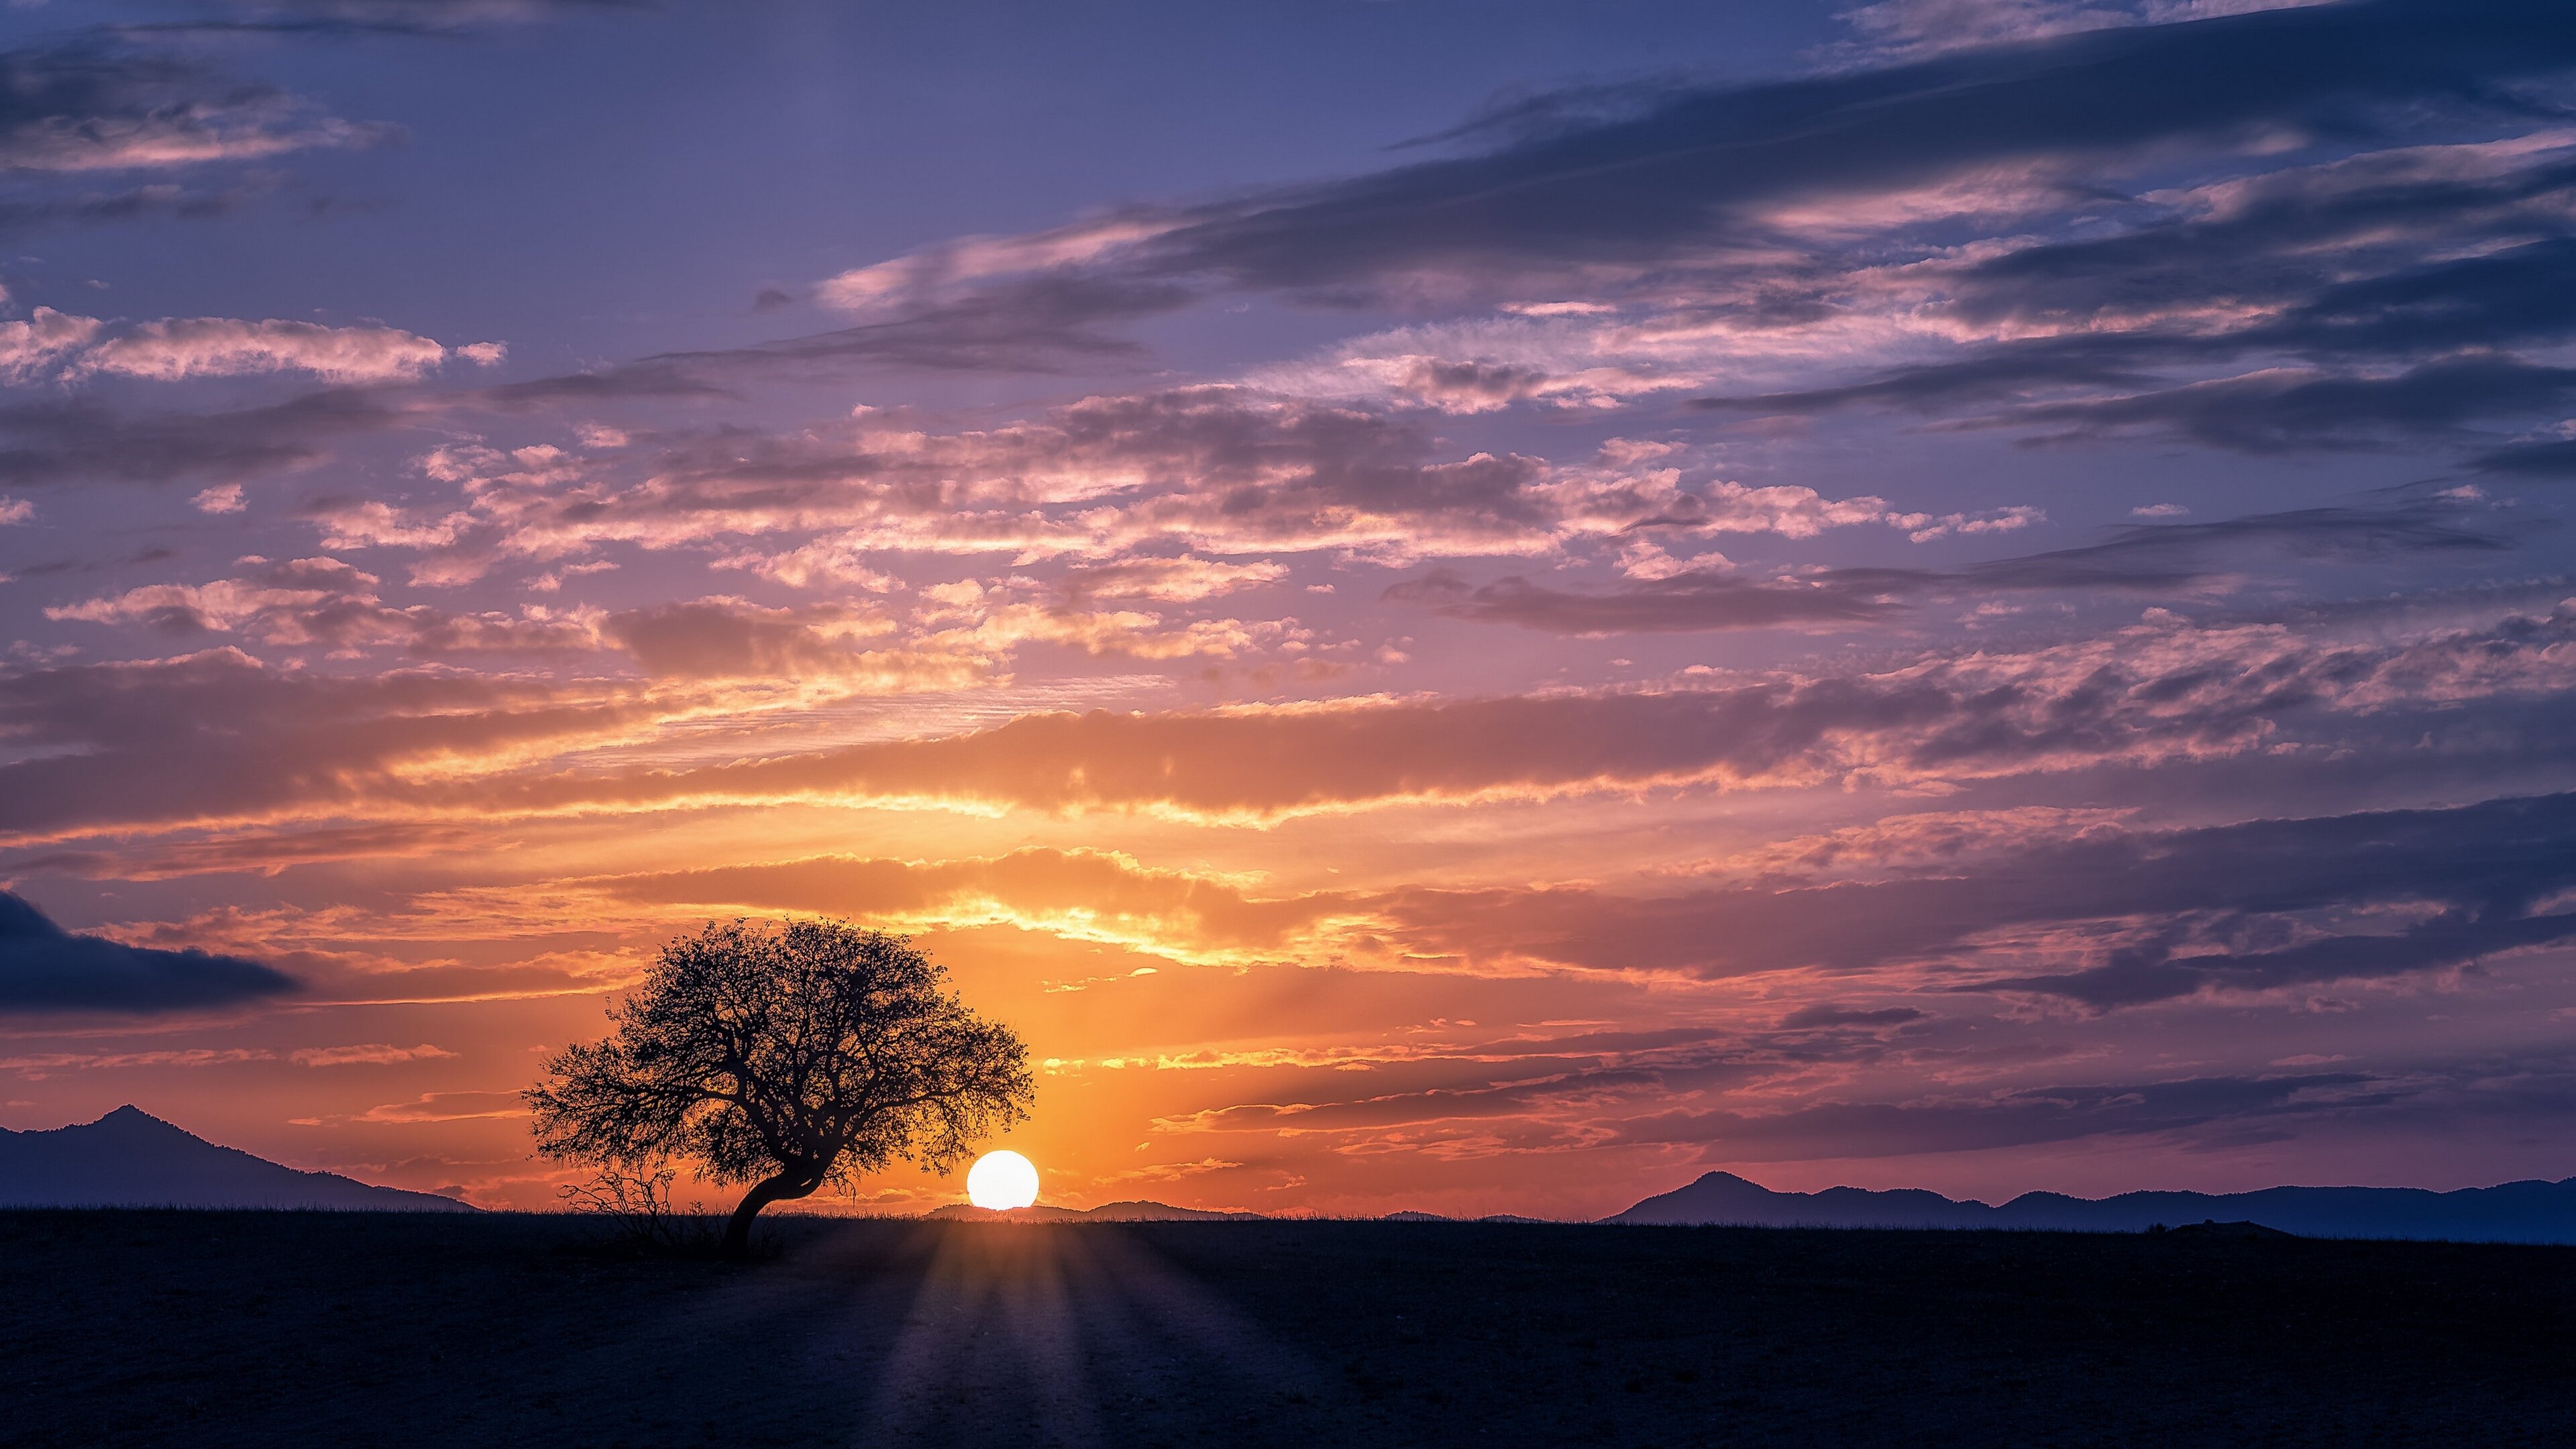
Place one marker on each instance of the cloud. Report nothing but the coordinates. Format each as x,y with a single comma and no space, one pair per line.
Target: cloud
1602,186
1026,324
57,345
1216,469
1777,1113
1085,894
44,968
65,442
325,603
401,17
2136,915
446,1107
1168,580
2280,409
950,268
2142,916
2270,410
821,563
1913,842
1828,1014
960,643
219,735
1032,324
2555,459
2346,218
2375,297
1680,602
729,638
1915,27
2148,695
2157,558
96,205
84,105
216,736
1596,1090
2355,256
995,623
1132,480
370,1054
314,600
1599,1106
661,380
2018,1117
37,1067
2070,289
265,852
2161,555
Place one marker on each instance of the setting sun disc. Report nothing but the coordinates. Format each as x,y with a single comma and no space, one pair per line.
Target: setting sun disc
1002,1181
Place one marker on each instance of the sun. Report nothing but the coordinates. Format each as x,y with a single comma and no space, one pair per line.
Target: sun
1002,1181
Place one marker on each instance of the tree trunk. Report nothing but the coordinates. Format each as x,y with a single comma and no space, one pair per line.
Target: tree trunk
785,1187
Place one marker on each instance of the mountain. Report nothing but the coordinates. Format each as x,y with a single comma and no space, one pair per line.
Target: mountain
2229,1230
130,1158
1723,1197
2516,1212
1108,1212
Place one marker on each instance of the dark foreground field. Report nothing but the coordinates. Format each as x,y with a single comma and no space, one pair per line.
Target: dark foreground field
240,1328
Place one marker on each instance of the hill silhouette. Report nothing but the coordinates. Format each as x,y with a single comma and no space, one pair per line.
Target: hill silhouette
1108,1212
2515,1212
2254,1231
130,1158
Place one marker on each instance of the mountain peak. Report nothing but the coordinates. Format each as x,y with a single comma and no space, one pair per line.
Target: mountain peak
130,1158
135,1130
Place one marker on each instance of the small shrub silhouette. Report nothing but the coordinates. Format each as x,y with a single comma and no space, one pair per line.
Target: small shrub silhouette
636,1206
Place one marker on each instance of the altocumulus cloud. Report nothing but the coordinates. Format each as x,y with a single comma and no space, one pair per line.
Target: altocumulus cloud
90,104
46,968
65,347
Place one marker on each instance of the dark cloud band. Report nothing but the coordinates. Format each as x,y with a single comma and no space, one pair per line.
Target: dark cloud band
44,968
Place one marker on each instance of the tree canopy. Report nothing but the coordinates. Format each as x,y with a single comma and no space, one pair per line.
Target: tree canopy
786,1056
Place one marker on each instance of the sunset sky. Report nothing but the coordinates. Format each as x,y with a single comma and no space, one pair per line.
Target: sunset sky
1466,605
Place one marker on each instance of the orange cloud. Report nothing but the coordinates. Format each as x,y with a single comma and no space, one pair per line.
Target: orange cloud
217,736
1096,895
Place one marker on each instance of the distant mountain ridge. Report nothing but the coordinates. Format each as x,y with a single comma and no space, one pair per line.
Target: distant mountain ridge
130,1158
2515,1212
1108,1212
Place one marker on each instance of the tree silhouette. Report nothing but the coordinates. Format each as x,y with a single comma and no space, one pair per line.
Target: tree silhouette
786,1057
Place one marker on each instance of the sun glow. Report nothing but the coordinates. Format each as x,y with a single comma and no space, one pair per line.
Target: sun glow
1002,1181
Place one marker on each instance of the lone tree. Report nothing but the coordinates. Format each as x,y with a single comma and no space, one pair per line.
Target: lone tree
786,1057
